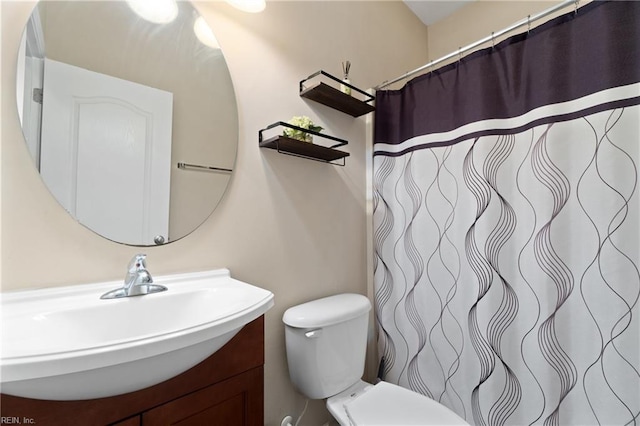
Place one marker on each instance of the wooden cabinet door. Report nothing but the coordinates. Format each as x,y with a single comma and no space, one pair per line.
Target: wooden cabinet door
131,421
237,401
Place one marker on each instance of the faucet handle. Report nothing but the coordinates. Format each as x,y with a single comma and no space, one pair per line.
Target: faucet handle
136,263
141,261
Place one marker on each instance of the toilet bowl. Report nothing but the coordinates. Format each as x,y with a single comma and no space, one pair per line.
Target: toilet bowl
326,343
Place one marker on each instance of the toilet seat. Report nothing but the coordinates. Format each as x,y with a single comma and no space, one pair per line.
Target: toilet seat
388,404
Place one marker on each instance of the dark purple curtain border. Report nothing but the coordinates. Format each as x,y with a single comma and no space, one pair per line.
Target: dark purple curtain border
569,57
513,130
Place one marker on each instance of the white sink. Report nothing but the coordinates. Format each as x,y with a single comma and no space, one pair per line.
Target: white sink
68,344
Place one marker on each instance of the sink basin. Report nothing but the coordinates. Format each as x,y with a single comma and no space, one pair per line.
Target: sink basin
67,344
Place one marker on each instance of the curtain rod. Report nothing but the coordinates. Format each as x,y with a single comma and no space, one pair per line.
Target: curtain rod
527,21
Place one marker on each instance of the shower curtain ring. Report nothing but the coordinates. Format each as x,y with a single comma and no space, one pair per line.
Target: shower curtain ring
576,10
528,23
459,54
493,41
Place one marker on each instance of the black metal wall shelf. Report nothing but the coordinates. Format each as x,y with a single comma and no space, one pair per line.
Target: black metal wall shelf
330,96
286,145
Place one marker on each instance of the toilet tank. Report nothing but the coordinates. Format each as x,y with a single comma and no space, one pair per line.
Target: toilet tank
326,343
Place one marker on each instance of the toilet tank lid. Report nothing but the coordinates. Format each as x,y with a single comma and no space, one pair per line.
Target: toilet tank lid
327,311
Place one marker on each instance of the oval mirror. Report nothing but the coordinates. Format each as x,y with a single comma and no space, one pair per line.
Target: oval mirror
131,119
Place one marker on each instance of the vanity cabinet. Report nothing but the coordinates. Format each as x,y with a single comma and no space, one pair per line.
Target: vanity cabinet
225,389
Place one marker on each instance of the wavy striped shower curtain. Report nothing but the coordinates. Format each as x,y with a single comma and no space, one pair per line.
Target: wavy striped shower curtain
506,226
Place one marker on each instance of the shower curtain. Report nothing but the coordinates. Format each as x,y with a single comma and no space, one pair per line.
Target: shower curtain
506,226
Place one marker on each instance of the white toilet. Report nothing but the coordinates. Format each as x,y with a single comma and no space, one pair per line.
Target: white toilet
326,346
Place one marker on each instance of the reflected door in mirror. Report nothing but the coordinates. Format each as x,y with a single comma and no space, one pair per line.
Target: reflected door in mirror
106,151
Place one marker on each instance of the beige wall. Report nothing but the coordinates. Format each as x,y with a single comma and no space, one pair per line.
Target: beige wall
293,226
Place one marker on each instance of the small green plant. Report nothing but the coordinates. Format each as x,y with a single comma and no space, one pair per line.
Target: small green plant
303,122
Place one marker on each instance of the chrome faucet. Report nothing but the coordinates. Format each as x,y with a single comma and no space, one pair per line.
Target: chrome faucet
137,282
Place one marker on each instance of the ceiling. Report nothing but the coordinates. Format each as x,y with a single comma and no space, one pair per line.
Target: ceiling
431,11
